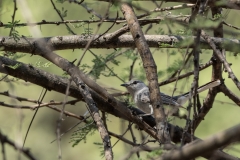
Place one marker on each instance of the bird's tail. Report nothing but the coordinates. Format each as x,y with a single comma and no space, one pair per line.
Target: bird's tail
205,87
208,86
185,97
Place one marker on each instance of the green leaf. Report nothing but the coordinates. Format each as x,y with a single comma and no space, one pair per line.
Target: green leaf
175,66
154,153
130,54
81,134
15,66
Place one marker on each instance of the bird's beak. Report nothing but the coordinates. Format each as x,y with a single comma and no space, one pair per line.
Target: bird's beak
124,85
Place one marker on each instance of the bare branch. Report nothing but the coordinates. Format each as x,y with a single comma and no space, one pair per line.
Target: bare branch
202,67
150,69
61,17
232,26
223,88
232,4
26,152
222,59
27,45
199,147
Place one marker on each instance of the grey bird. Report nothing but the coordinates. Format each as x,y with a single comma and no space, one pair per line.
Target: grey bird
140,93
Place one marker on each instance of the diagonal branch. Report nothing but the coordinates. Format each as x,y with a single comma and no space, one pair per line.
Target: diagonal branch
223,88
223,60
199,147
26,152
170,80
96,117
150,69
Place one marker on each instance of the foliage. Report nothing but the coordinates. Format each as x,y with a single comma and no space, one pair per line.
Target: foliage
14,34
41,64
82,132
117,64
154,153
15,66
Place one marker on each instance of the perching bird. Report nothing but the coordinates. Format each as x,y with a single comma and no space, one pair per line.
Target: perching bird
140,93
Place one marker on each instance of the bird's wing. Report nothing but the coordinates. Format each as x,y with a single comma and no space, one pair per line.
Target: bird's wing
168,100
144,96
182,99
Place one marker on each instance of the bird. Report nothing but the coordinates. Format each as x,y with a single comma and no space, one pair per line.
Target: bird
141,96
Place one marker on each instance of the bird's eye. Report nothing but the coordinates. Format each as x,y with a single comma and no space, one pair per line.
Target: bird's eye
135,82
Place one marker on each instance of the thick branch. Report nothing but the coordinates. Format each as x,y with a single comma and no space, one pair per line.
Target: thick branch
96,117
150,69
231,4
216,74
199,147
28,45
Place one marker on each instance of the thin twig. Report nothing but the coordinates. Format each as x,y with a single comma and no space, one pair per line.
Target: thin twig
131,69
90,10
92,38
134,139
13,16
40,99
182,6
229,94
58,130
122,134
232,26
3,149
185,75
3,77
107,66
59,14
69,129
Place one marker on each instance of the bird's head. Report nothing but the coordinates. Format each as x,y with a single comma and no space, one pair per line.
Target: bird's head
134,86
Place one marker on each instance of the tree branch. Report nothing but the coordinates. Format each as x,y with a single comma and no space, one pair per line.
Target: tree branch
185,75
216,74
199,147
28,45
26,152
223,88
231,4
150,69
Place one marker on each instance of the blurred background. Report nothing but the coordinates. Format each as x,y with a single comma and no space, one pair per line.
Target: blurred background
14,122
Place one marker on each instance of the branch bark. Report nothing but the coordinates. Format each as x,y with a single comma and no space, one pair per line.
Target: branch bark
199,147
231,4
28,45
216,74
150,69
